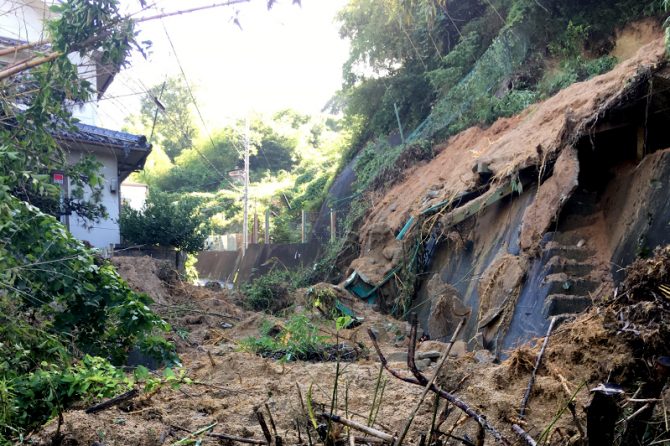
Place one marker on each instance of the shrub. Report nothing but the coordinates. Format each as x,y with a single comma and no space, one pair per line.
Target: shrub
299,339
165,221
270,292
71,298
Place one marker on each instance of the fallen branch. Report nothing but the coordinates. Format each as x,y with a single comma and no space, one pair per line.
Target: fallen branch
410,360
531,382
366,440
524,435
635,414
453,399
359,427
113,401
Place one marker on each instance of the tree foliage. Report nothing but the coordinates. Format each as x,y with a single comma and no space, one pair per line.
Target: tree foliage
59,301
165,114
166,221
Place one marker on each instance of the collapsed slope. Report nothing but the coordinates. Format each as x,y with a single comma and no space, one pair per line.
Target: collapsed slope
530,218
510,145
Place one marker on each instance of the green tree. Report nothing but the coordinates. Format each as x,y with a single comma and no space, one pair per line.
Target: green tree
271,151
165,113
205,166
166,221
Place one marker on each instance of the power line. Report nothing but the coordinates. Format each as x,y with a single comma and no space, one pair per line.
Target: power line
195,103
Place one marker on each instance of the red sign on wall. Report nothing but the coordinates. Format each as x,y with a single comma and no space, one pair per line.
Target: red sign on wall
58,178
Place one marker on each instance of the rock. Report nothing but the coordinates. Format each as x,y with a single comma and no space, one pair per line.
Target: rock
428,346
422,364
446,309
432,355
484,356
459,349
213,285
194,319
380,332
397,357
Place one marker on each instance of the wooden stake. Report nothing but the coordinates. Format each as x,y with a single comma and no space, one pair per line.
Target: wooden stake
264,427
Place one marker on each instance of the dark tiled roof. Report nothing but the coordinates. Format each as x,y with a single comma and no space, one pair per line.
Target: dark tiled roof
91,134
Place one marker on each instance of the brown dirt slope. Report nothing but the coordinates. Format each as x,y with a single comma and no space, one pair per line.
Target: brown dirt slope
537,134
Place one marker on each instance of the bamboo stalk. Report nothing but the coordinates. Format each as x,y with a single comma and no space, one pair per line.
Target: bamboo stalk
194,434
359,427
305,414
21,47
374,397
26,65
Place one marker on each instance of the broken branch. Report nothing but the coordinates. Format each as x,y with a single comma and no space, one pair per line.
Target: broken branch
524,435
235,438
531,382
410,359
193,310
112,401
453,399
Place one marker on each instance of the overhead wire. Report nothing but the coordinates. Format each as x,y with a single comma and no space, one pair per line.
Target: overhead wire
195,104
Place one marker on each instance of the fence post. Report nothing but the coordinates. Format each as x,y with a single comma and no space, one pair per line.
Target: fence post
254,235
303,227
333,225
267,226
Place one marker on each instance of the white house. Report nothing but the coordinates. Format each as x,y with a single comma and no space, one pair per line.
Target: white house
135,194
119,153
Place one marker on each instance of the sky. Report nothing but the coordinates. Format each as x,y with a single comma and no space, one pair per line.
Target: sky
288,57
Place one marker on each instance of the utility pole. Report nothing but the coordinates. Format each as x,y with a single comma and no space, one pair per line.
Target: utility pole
245,225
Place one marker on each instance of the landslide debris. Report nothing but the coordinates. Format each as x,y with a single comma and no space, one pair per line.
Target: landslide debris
616,342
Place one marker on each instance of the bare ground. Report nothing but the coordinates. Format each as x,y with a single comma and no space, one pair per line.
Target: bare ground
232,385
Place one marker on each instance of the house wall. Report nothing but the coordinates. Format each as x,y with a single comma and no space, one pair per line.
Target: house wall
105,232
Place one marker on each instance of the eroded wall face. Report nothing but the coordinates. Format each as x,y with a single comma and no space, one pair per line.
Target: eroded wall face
548,253
480,259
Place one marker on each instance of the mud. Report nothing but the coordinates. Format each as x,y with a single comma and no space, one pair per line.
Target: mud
634,36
